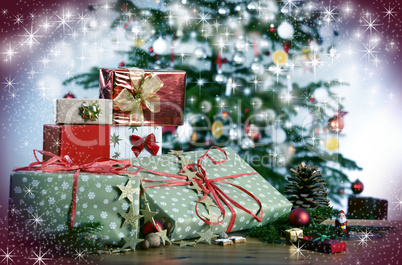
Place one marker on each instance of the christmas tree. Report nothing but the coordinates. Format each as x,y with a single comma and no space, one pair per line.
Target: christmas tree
240,57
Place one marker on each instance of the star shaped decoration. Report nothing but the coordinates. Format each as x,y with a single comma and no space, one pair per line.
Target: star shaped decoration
130,218
206,236
115,139
127,191
133,129
184,162
184,243
208,202
189,174
213,217
195,187
131,242
116,155
163,236
148,214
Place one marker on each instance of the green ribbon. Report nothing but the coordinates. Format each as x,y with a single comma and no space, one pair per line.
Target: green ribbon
143,93
90,110
321,238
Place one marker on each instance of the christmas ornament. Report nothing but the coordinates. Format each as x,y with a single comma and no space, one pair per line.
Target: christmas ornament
331,144
240,44
279,57
69,95
149,227
206,106
252,132
206,236
285,30
336,123
321,94
127,191
153,239
234,133
257,104
272,28
200,53
286,46
219,78
216,129
357,187
223,9
238,58
184,132
131,242
163,236
160,46
299,217
278,135
257,68
341,222
307,187
292,235
130,218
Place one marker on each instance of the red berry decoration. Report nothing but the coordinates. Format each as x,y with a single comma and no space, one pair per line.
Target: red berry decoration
299,217
357,187
69,95
150,228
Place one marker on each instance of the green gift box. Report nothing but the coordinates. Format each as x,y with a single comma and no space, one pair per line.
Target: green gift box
176,202
41,202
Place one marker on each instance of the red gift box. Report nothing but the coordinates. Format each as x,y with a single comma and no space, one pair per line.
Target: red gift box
82,143
171,95
325,246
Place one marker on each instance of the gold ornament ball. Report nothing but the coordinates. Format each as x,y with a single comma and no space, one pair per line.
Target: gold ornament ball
332,144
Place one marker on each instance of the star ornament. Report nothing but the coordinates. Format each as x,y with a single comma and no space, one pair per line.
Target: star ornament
127,191
189,174
208,202
148,214
131,242
130,218
163,236
206,236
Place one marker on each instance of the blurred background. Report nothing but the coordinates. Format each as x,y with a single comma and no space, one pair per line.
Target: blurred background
299,63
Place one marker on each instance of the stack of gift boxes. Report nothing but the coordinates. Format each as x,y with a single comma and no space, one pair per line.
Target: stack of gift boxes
192,193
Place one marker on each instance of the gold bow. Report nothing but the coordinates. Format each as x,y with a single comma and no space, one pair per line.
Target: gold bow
144,90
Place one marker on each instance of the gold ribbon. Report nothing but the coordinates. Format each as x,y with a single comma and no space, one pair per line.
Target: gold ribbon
143,92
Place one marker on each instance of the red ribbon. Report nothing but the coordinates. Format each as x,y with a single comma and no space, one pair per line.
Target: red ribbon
209,186
138,144
57,163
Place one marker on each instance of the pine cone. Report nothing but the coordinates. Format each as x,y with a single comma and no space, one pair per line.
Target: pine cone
307,187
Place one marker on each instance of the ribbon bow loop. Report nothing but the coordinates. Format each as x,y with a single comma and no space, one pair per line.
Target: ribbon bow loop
138,144
138,93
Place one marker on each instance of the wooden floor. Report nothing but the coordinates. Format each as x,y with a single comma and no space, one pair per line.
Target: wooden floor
384,251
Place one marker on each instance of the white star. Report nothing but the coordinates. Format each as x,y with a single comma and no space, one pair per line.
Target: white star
63,20
221,44
389,12
398,203
29,190
364,237
370,24
9,82
40,257
46,25
8,256
277,70
18,19
369,52
80,255
329,14
203,18
45,61
9,53
36,220
31,37
255,82
298,250
4,11
314,63
82,18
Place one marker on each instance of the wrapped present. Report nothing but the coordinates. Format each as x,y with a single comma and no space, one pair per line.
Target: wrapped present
83,111
83,143
47,199
367,208
293,234
129,142
144,97
322,244
195,190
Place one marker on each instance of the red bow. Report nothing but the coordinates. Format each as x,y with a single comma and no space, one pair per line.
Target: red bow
138,144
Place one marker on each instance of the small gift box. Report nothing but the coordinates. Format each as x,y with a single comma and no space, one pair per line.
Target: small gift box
129,142
84,111
144,97
82,143
57,201
293,234
322,244
214,189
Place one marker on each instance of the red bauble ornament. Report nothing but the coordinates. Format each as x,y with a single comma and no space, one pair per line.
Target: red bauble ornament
286,46
357,187
272,29
122,63
336,124
150,228
69,95
299,217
